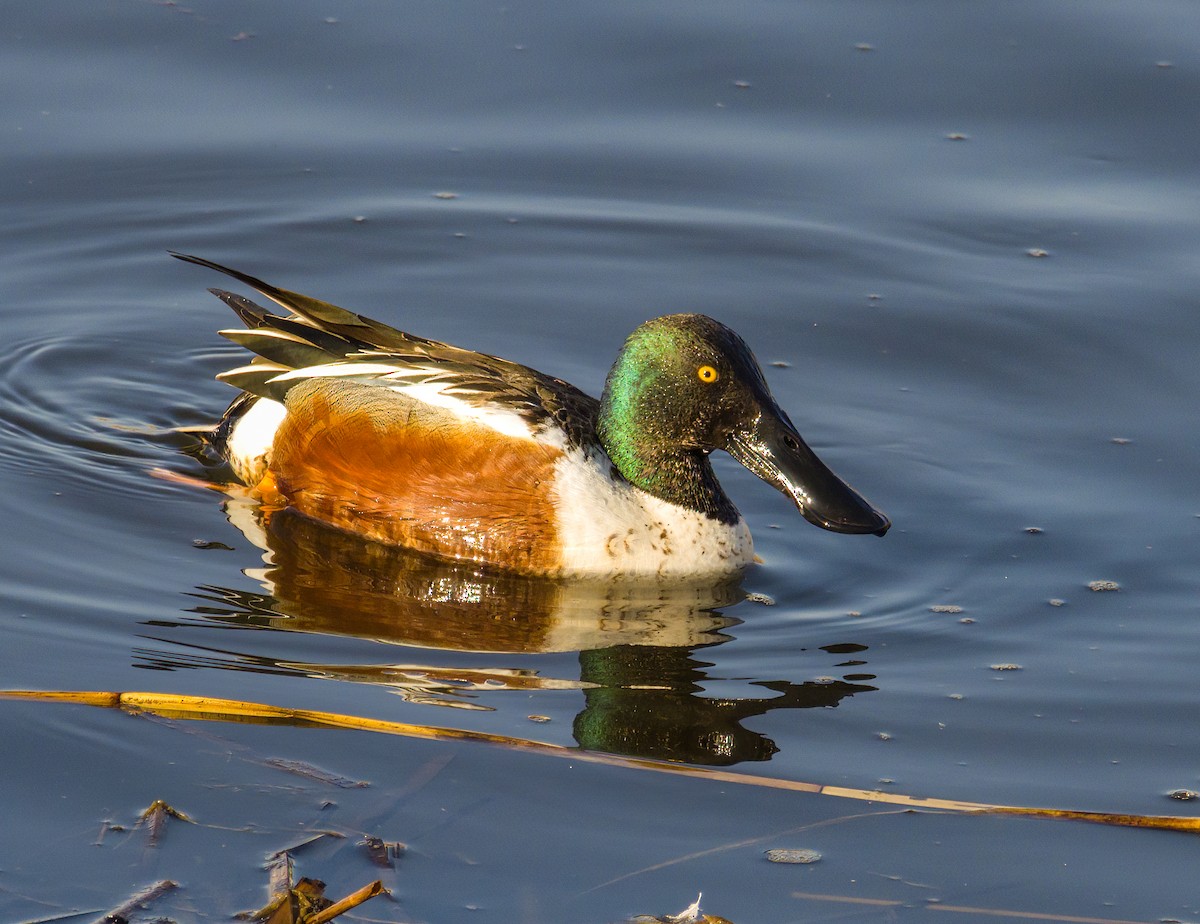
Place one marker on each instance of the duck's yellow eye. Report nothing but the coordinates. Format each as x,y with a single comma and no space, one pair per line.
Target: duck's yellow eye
707,374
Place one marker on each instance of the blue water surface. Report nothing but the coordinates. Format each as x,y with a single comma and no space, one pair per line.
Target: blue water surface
961,239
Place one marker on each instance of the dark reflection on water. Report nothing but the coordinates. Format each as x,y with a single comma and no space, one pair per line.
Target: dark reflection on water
674,722
642,682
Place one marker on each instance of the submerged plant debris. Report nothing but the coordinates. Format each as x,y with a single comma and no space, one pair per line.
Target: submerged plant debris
304,902
154,820
300,768
382,853
792,855
139,901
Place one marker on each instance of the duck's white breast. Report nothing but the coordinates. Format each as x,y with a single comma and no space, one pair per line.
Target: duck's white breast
609,527
248,447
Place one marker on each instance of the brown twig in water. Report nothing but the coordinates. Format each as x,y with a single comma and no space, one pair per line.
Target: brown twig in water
353,900
214,709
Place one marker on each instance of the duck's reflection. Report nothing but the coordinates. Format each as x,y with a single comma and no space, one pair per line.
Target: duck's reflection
673,721
323,580
642,684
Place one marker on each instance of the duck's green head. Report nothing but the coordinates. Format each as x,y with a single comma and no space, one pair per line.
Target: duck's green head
684,385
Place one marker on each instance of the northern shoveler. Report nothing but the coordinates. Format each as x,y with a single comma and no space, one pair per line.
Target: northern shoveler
420,444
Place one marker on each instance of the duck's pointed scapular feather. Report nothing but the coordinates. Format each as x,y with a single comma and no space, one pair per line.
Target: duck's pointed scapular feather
248,312
275,346
258,378
332,344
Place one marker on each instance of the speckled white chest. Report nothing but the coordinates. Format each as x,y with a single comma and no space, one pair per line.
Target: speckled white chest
610,527
248,448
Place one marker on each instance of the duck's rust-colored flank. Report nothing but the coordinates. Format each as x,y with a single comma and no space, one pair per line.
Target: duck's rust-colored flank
426,480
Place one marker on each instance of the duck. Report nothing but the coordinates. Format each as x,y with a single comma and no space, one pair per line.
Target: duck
465,456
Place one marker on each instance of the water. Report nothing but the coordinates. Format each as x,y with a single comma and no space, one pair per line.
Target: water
858,189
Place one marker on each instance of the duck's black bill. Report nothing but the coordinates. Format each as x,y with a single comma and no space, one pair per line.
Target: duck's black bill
774,451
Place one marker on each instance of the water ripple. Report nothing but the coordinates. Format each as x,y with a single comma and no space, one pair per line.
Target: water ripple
92,409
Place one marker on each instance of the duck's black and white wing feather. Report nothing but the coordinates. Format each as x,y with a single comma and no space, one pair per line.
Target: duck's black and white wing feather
318,340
